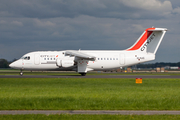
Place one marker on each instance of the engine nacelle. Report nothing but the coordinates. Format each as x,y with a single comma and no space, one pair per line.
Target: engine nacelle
67,63
64,63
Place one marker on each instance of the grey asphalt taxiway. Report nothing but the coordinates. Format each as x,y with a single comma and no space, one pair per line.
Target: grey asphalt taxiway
95,112
90,76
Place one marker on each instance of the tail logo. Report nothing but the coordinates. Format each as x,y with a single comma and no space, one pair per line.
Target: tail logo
148,42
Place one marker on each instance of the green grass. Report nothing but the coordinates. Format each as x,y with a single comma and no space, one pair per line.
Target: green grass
88,94
89,117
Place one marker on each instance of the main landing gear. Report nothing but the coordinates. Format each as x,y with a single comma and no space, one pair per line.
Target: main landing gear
21,73
83,74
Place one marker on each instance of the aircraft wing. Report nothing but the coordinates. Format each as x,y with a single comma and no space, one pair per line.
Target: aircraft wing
80,54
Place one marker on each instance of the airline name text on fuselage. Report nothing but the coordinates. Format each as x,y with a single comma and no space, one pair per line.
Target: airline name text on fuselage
47,55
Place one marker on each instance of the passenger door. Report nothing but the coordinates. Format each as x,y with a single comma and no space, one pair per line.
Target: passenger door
36,59
121,59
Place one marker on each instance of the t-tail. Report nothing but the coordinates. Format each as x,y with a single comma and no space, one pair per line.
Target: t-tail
149,41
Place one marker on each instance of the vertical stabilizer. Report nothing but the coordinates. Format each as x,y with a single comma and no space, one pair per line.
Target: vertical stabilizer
149,41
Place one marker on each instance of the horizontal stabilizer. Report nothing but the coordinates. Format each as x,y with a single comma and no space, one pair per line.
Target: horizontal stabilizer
158,29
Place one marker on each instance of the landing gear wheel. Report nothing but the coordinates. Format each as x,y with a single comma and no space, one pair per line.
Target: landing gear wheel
21,73
83,74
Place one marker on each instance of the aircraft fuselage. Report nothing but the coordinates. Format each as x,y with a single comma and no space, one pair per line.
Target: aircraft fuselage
105,60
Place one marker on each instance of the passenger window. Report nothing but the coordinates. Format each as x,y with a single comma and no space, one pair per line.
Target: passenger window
44,58
54,58
47,58
51,58
98,58
107,58
104,58
113,58
116,58
110,58
28,58
101,59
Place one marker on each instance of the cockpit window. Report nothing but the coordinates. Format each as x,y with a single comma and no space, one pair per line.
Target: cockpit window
25,57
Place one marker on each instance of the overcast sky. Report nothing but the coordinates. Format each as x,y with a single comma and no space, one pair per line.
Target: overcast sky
47,25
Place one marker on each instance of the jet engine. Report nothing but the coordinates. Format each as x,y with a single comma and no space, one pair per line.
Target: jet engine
64,63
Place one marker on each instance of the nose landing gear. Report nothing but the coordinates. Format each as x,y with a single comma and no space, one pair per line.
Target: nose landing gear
21,73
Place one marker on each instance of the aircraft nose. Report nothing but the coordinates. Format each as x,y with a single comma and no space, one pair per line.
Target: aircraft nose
11,65
17,64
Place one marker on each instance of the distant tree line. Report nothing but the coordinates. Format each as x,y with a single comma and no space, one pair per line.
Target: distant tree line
5,64
155,65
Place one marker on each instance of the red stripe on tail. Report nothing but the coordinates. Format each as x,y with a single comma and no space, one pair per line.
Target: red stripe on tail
142,39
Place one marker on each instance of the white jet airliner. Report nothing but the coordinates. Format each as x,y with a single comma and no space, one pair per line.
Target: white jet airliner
83,61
